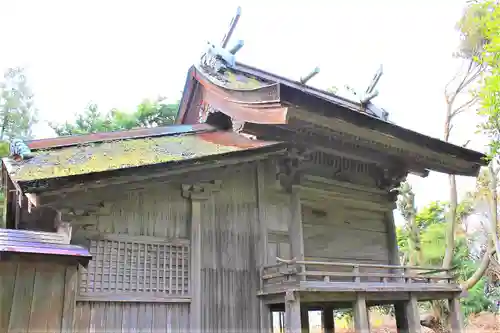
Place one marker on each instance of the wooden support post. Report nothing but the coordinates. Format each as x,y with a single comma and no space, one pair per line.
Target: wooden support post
328,320
407,316
295,228
196,194
412,315
292,312
400,314
361,321
304,318
262,244
456,320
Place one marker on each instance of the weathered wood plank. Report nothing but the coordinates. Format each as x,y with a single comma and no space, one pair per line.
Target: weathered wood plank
456,320
8,280
56,299
70,291
40,306
23,294
412,314
361,320
292,313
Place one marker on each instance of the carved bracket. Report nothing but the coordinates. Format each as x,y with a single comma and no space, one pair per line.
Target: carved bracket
201,190
290,168
388,180
290,296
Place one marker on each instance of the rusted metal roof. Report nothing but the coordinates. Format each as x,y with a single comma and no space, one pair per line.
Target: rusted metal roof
95,157
46,243
72,140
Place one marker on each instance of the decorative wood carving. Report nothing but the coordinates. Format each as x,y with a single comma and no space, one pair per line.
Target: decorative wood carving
351,142
204,109
342,169
390,179
201,190
291,166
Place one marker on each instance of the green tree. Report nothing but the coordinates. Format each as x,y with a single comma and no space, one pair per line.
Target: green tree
17,111
432,226
489,92
150,113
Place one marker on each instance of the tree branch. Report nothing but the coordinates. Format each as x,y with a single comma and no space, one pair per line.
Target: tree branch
464,107
478,274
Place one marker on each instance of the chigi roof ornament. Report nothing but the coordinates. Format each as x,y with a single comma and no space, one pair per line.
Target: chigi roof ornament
366,97
219,57
309,76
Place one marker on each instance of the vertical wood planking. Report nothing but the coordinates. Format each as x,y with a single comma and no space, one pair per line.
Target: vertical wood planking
70,290
23,295
32,296
392,243
8,271
230,261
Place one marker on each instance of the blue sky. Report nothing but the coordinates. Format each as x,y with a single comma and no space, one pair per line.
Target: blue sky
116,53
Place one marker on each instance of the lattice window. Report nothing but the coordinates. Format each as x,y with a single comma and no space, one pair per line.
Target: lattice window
140,268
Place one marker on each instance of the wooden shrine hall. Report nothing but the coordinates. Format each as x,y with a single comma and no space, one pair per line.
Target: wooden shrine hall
266,196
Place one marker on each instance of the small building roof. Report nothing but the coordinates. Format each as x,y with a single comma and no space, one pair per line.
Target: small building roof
44,243
273,107
106,152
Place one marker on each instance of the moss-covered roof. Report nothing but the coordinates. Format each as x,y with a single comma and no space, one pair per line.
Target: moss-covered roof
120,154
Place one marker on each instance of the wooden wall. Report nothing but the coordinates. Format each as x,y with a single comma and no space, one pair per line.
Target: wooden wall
341,234
36,297
333,229
229,237
141,277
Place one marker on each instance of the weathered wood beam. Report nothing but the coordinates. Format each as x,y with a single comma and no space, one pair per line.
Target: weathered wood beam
151,172
456,319
304,318
328,319
96,196
411,152
295,228
292,312
196,194
400,316
302,136
361,320
412,314
261,247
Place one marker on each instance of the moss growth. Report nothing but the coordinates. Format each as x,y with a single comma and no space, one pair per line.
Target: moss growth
114,155
241,81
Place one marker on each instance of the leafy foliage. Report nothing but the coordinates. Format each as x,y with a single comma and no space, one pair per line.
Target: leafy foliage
147,114
488,25
432,225
17,111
